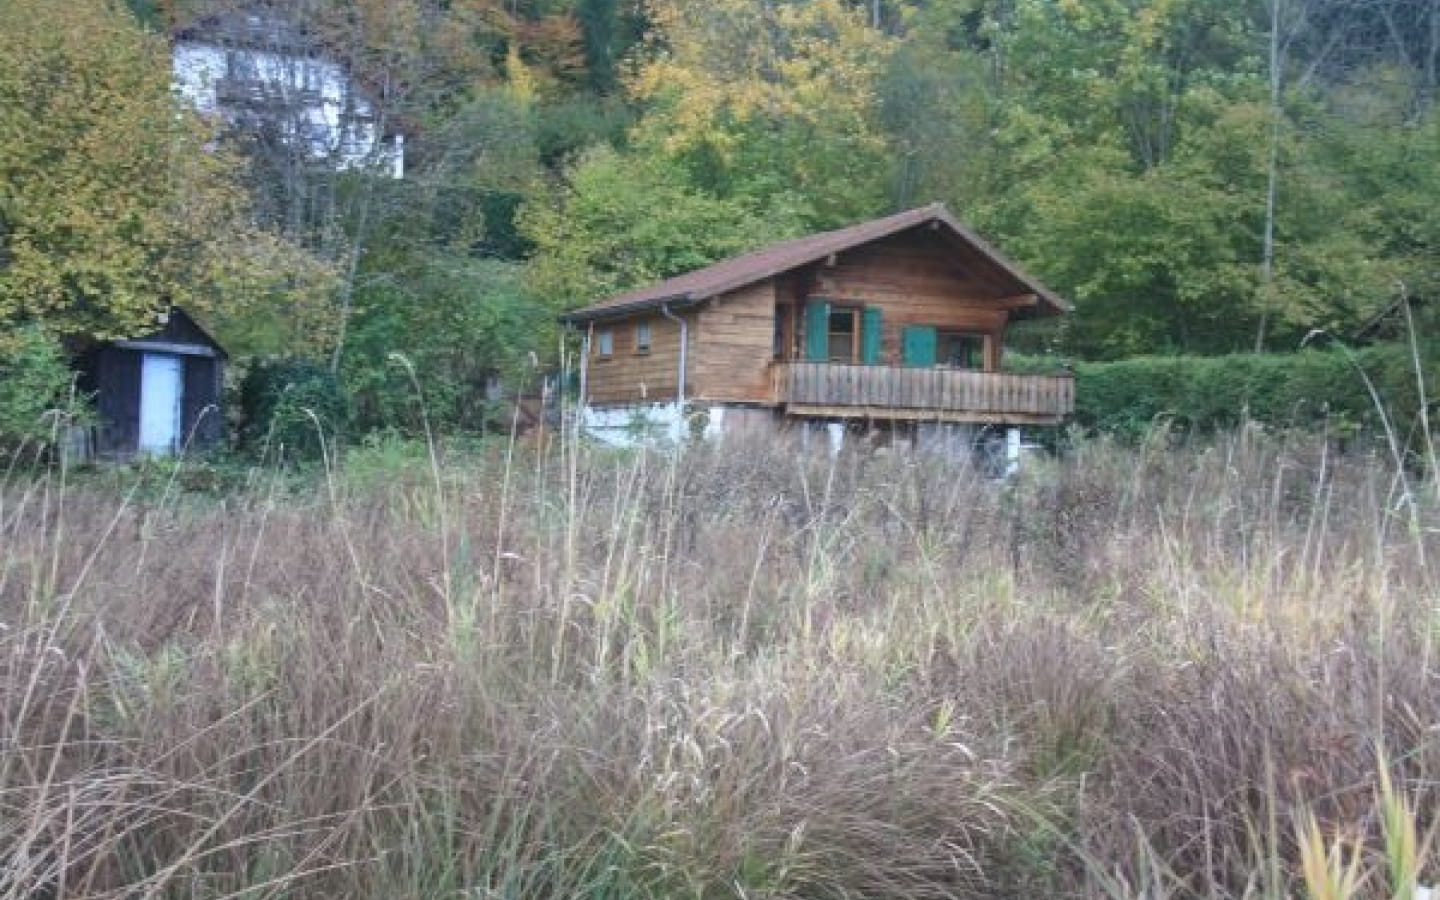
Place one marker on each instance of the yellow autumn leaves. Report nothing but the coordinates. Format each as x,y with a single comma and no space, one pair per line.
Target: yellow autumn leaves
725,63
114,202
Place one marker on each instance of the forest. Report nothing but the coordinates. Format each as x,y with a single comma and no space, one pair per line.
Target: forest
1197,176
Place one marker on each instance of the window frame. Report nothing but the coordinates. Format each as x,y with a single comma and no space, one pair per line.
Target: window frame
605,343
945,336
856,311
642,346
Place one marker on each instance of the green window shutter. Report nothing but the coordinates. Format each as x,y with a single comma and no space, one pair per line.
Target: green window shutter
817,330
870,333
918,344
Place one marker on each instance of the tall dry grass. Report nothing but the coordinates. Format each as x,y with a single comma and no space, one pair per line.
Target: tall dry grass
743,672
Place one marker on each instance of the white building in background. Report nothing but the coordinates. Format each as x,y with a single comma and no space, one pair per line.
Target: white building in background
263,75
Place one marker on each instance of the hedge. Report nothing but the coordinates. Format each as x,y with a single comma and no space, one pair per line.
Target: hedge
1307,389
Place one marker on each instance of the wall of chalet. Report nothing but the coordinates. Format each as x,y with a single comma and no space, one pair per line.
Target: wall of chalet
732,352
916,278
630,375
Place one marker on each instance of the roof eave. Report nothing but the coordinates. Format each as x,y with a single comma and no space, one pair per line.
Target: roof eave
1051,303
625,310
1058,304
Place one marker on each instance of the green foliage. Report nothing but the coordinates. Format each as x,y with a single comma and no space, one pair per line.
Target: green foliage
568,126
619,222
1139,154
609,33
35,378
292,409
771,105
430,341
1310,389
147,12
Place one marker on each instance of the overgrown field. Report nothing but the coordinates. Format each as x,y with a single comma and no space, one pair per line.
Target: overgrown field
1132,673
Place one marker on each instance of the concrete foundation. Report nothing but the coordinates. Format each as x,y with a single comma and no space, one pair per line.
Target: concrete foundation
631,426
997,449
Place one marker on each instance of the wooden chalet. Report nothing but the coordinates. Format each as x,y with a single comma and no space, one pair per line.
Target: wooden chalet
898,322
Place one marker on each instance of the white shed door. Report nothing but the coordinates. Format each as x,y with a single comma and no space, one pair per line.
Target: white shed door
160,388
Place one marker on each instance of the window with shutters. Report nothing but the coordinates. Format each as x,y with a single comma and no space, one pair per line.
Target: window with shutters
838,333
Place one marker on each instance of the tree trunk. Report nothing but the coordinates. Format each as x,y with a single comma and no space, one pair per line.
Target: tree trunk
1272,173
1432,56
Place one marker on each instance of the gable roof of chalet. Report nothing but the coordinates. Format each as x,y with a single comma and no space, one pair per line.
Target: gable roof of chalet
777,259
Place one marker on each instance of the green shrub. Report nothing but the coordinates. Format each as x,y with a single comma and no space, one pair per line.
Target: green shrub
292,407
1307,389
35,378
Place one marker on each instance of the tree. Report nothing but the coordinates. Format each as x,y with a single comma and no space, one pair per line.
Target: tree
618,222
439,284
600,23
34,380
113,204
939,116
758,101
1163,260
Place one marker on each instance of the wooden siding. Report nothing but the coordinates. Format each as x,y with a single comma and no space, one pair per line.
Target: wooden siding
202,418
631,376
734,346
917,278
884,392
113,375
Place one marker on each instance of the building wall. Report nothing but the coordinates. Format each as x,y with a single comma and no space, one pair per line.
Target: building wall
631,425
631,375
202,418
734,347
915,278
918,278
114,376
311,101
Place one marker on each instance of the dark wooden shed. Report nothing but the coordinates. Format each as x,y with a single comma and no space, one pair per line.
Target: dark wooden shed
156,395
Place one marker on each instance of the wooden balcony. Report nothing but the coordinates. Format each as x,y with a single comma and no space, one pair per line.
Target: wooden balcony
833,390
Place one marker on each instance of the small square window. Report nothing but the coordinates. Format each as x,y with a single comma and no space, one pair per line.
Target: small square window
605,343
642,337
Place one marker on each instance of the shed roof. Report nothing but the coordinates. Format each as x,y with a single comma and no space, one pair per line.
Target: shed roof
178,333
777,259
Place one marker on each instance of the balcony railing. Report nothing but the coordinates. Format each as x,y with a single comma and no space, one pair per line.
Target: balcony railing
835,389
